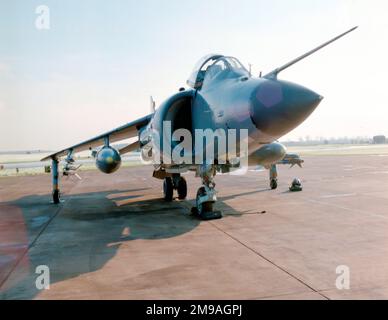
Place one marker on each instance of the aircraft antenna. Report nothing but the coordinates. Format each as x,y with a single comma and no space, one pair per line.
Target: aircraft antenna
152,104
273,74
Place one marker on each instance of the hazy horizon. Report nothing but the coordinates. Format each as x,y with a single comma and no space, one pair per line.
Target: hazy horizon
99,62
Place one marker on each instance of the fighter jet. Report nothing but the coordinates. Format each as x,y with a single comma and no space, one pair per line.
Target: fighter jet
223,98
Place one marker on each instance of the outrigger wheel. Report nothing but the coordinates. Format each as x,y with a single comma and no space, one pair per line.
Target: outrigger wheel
168,189
56,197
273,184
273,175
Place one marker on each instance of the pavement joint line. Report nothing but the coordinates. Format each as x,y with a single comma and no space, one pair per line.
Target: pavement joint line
63,204
282,295
186,205
268,260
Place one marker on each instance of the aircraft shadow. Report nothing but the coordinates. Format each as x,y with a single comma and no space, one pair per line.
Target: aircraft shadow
82,234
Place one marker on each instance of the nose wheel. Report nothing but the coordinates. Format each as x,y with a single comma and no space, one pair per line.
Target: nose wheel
206,195
203,207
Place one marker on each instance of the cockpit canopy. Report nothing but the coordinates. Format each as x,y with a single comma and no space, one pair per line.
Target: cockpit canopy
212,66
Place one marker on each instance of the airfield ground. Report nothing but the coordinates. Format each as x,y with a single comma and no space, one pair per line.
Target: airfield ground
114,237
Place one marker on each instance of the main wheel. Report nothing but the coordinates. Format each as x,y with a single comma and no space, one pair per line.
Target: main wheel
205,206
56,198
182,188
273,184
168,189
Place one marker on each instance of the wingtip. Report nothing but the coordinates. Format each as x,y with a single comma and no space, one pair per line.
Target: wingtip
50,157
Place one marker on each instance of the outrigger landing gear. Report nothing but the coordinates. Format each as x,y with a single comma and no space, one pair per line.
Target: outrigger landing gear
176,182
55,176
273,177
206,195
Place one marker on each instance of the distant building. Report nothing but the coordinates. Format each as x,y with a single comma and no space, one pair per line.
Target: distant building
379,139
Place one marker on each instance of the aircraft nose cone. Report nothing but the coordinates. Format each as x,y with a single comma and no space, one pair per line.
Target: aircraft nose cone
280,106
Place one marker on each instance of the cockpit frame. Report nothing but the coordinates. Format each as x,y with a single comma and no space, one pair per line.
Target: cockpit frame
200,70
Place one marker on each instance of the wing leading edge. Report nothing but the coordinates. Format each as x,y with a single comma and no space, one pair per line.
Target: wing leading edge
126,131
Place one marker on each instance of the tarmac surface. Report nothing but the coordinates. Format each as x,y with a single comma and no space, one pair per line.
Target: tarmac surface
115,238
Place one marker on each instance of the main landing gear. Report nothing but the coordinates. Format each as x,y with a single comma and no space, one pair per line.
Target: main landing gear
176,182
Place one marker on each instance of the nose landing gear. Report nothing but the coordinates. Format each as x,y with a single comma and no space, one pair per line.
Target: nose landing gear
206,195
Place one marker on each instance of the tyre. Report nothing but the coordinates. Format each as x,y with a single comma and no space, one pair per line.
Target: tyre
182,188
205,206
168,189
56,198
273,184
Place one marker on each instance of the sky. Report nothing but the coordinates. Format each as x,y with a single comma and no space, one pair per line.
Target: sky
97,64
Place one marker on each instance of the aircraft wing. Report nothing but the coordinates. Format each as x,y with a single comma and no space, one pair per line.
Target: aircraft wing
126,131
